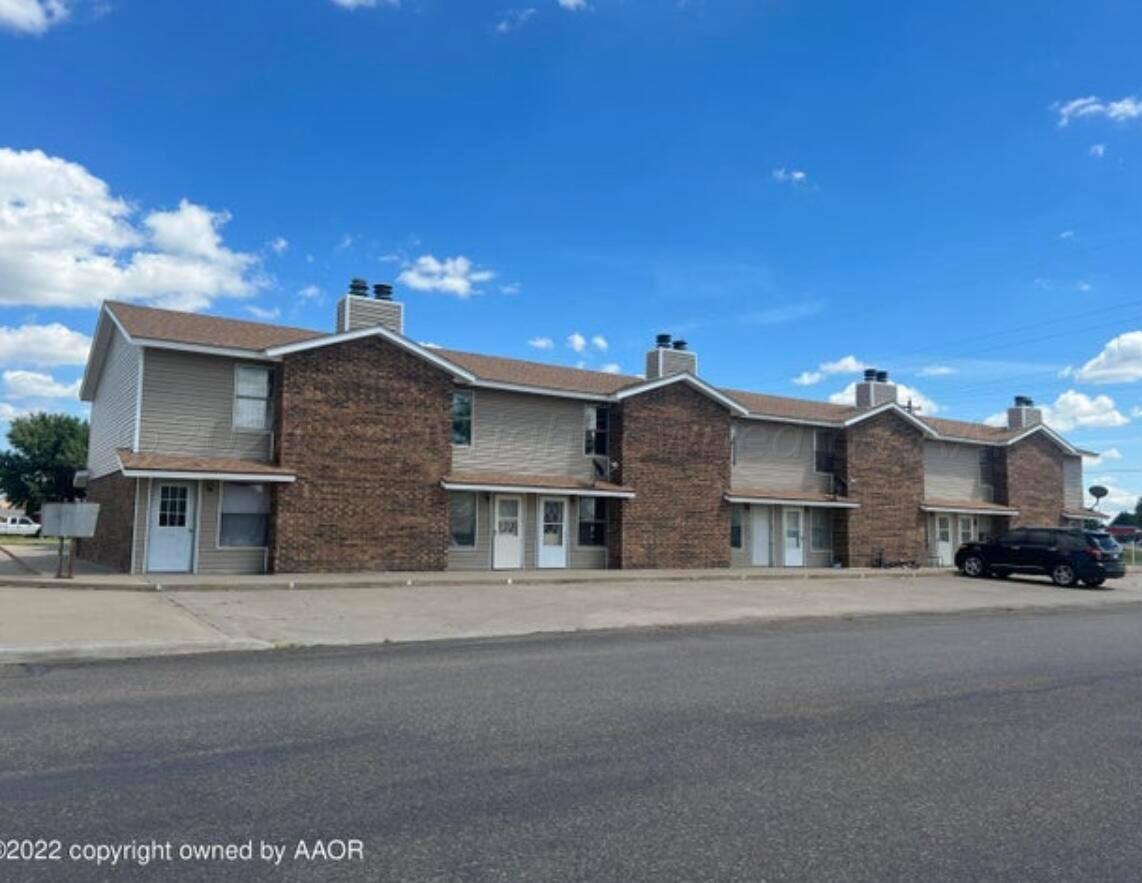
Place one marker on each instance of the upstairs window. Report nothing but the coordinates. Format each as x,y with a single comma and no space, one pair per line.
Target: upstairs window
598,419
462,418
824,451
592,521
252,387
245,520
987,466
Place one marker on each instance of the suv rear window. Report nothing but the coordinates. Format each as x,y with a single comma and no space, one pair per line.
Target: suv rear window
1104,541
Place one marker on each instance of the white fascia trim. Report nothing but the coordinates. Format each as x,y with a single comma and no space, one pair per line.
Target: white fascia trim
400,340
893,406
540,391
1098,516
687,378
781,501
1051,434
175,475
968,510
529,489
799,421
87,387
233,352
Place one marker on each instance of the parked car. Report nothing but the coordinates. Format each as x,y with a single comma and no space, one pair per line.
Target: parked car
18,526
1066,555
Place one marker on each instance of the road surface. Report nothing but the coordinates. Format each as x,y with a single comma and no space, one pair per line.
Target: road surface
971,747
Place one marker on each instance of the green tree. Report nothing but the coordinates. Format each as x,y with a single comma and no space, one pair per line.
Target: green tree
45,451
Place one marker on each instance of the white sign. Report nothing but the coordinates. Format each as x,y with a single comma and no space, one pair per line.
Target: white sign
69,519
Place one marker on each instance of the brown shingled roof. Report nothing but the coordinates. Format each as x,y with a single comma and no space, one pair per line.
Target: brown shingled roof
177,327
783,406
147,462
973,431
519,372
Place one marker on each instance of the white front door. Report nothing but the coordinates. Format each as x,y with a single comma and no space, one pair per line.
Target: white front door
170,540
794,538
761,539
552,539
944,540
507,533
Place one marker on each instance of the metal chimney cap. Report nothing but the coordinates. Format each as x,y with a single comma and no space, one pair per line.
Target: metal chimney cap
869,375
662,341
1024,402
680,345
359,287
882,377
383,291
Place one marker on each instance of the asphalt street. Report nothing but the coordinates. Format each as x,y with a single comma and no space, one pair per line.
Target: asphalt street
966,747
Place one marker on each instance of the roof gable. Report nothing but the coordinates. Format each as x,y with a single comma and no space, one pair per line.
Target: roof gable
170,326
690,380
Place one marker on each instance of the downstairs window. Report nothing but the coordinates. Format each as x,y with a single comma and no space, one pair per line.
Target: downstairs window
245,519
592,521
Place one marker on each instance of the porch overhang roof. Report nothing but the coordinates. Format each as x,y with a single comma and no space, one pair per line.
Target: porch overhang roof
789,498
967,507
534,484
171,466
1086,513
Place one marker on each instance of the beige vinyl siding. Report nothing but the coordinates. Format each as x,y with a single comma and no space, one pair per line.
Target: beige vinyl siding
188,408
113,410
951,472
776,456
479,557
211,557
1073,482
524,435
743,557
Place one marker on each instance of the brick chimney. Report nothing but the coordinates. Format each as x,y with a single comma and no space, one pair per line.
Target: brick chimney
875,389
670,357
1023,414
358,310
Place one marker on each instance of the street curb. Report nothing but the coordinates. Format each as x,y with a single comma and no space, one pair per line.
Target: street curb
467,581
47,653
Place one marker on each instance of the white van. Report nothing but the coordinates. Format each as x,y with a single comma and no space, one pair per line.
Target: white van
18,525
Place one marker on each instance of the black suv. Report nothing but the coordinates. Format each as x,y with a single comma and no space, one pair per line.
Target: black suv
1067,555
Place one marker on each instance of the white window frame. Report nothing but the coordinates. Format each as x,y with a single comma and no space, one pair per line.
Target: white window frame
218,520
475,523
471,393
591,411
814,511
269,372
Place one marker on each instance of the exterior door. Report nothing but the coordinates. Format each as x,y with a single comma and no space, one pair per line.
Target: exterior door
507,533
794,538
552,526
170,540
761,538
944,550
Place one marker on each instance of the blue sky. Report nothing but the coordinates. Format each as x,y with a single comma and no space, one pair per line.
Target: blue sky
953,195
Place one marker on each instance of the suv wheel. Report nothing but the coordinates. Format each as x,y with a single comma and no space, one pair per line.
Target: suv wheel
973,566
1063,575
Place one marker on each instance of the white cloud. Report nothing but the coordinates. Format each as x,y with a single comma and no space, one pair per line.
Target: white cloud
451,275
514,19
8,412
844,365
599,342
66,241
511,288
904,394
278,245
265,314
33,384
612,368
32,16
936,371
365,4
1119,499
1074,410
345,243
1127,108
1098,460
541,343
45,345
1067,234
1084,286
791,176
573,5
1098,151
577,341
1119,362
310,292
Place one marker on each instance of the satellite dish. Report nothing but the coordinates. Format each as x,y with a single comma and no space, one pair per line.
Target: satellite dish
1098,491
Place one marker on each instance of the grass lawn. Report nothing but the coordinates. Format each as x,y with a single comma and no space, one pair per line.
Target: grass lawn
26,541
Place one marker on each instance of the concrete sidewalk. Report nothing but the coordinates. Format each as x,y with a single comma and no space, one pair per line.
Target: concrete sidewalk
44,625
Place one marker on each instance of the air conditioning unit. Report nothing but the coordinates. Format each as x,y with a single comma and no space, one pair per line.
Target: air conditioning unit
603,466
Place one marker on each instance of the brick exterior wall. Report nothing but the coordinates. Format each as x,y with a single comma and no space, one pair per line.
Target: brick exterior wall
115,530
1032,481
673,447
884,468
367,428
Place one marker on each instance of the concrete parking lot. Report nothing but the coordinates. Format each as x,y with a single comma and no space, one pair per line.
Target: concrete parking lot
43,623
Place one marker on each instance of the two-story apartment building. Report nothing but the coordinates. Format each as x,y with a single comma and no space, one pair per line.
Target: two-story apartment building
224,446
